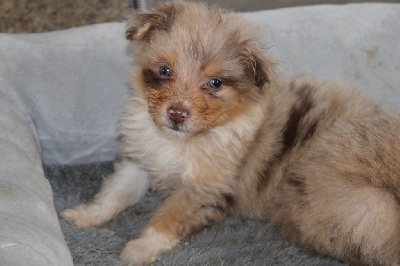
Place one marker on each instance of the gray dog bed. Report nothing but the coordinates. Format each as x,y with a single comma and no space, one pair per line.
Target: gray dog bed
60,97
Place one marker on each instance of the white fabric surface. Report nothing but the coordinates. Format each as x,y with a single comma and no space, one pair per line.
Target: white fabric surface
65,90
29,230
73,84
358,44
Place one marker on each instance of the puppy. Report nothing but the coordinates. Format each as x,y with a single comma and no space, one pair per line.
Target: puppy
210,124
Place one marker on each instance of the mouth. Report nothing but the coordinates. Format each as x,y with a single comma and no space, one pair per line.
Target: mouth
173,126
178,131
177,128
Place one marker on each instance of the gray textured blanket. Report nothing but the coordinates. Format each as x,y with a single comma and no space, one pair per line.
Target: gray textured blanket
236,241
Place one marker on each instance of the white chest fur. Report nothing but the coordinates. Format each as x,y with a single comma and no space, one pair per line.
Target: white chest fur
142,142
168,160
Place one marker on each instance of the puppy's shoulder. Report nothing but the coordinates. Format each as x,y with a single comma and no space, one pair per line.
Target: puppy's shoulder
338,98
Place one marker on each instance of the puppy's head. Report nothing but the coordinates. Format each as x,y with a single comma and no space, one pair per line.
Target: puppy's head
197,68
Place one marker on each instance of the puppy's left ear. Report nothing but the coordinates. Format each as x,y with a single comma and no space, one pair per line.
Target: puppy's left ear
140,25
259,66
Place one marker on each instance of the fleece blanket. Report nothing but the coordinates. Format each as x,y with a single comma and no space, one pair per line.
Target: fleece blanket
236,241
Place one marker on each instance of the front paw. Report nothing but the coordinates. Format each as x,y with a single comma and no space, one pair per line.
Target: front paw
144,250
84,216
138,252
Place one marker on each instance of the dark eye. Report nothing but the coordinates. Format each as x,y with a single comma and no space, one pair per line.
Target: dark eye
215,83
165,71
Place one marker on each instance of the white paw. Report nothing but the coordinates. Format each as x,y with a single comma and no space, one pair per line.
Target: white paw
138,252
144,250
84,216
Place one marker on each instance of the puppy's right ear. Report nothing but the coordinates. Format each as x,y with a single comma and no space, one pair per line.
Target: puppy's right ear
141,25
259,67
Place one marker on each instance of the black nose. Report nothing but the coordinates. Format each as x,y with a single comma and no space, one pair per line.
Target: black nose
177,114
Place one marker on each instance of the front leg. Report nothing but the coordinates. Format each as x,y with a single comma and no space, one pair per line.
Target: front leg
125,187
184,212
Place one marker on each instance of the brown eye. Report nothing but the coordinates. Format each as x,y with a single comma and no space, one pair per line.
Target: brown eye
165,71
215,83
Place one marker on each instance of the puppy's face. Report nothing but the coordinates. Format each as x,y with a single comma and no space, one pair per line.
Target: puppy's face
197,68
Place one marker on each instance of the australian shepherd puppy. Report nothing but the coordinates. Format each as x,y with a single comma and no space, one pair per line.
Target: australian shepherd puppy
210,124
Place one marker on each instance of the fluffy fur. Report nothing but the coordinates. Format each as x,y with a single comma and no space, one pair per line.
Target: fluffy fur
318,160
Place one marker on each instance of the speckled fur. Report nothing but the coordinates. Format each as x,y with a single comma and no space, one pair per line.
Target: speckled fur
317,159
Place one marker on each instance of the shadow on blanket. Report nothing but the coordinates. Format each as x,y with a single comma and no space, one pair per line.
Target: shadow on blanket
236,241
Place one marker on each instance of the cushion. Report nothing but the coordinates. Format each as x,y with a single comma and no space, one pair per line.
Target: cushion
357,44
29,230
73,84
